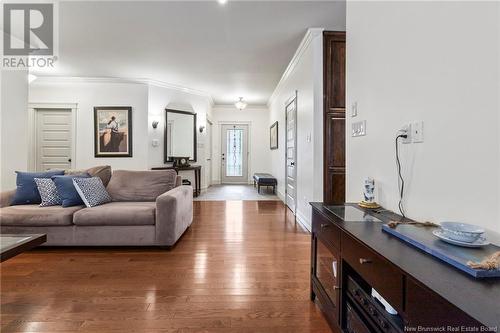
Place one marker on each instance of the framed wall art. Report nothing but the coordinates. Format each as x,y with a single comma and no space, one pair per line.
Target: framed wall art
113,131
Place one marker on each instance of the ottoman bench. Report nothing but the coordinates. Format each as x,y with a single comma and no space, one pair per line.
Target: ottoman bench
264,179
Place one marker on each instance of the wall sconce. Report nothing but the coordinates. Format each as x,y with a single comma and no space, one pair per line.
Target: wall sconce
202,128
155,124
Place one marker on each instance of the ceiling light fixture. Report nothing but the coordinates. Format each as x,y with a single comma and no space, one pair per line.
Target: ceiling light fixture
222,2
240,105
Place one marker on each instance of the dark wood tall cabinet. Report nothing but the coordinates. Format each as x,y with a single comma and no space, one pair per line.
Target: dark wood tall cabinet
334,117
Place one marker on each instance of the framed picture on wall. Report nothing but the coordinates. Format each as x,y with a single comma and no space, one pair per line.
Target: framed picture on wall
113,131
274,136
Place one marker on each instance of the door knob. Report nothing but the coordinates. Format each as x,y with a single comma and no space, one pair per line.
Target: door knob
69,159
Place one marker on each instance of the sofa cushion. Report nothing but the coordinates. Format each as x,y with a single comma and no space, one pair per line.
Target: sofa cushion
34,215
27,192
117,213
92,191
140,185
67,191
48,192
103,172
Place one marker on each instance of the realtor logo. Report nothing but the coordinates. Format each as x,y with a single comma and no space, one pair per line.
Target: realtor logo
29,29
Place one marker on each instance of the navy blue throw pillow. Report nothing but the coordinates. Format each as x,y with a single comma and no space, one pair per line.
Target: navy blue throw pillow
27,191
67,191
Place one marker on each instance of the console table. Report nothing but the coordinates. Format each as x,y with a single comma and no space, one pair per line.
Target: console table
197,175
350,256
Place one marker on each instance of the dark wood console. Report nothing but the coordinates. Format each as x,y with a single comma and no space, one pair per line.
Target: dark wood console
350,258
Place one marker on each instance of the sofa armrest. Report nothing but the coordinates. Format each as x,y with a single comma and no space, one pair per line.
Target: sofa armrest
6,198
174,214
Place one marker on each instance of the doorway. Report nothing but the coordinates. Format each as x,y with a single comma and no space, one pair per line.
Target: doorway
209,153
53,139
291,152
234,154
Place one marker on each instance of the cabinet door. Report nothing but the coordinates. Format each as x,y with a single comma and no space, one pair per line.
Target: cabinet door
437,311
328,272
334,179
334,70
334,117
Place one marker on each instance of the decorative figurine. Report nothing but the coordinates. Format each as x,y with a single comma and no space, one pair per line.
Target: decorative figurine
369,194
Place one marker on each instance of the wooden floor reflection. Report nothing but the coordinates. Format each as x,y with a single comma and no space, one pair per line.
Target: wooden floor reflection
243,266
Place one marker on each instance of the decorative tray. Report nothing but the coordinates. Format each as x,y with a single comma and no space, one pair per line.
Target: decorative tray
457,256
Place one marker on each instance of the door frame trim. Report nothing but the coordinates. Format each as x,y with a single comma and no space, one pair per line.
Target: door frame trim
32,108
290,100
249,146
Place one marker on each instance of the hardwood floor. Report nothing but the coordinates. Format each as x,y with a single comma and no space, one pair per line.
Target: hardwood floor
243,266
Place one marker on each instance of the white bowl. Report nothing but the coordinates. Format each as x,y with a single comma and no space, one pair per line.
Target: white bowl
462,232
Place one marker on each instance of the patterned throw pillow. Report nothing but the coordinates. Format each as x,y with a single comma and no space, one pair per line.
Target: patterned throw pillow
92,191
48,192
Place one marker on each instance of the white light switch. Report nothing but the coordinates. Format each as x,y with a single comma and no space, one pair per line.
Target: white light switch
155,143
354,109
417,131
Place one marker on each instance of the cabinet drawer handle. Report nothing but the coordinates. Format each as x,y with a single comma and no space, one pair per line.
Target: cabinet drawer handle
365,261
324,225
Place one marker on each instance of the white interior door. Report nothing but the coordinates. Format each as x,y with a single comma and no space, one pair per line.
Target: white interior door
53,139
234,154
209,153
291,153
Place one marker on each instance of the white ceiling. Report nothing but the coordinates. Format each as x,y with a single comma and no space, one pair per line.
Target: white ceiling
238,49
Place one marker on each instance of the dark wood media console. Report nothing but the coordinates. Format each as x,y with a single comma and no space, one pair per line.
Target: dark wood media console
351,258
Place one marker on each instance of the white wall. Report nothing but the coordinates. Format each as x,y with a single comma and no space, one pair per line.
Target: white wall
260,153
90,94
436,62
158,99
14,131
305,76
148,103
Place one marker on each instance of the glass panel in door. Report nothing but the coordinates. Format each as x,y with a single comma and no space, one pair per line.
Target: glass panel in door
234,159
234,154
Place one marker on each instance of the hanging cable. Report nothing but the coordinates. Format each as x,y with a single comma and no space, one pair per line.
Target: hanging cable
401,181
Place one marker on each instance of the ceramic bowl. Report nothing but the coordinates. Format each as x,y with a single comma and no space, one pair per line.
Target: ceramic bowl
462,232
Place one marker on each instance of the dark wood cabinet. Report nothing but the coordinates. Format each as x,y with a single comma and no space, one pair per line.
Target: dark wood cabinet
334,117
325,268
345,270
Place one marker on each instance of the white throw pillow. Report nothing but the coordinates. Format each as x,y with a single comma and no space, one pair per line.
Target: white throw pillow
92,191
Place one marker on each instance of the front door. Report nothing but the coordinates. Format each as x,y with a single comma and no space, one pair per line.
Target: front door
291,151
53,139
234,154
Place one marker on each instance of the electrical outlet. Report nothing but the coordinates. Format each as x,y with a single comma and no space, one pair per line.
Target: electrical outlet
406,129
358,128
417,131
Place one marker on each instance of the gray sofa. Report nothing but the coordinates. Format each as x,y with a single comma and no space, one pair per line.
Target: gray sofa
148,208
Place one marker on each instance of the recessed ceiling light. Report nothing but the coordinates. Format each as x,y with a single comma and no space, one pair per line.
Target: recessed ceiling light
222,2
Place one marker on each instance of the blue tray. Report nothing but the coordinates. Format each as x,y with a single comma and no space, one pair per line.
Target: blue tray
422,238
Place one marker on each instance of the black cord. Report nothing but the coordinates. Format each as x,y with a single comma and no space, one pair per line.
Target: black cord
401,181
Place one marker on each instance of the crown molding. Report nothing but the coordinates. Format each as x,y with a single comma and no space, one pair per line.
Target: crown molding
42,79
304,44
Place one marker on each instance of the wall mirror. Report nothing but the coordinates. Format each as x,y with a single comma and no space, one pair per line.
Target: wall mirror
180,135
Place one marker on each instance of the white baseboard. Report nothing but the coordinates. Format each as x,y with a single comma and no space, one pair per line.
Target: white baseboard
303,221
281,195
